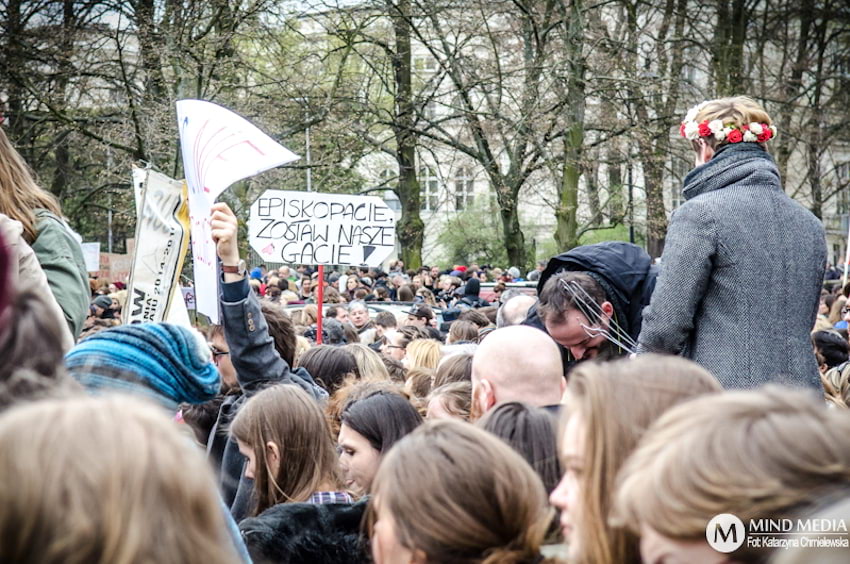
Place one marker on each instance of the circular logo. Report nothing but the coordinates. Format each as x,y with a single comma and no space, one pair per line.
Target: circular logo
725,532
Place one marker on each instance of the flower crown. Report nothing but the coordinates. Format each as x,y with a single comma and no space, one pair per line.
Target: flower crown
750,133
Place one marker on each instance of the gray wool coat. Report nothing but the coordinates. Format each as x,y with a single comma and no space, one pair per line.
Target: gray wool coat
740,275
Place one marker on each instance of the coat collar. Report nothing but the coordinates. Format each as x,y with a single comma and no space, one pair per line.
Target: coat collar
733,164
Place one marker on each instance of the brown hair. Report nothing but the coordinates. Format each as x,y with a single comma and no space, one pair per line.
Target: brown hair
33,340
462,330
456,398
20,195
475,317
418,382
459,494
286,416
329,365
618,401
555,300
454,368
281,330
836,385
754,454
351,390
105,480
395,369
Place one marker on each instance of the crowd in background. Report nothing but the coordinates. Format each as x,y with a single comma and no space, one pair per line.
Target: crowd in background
512,426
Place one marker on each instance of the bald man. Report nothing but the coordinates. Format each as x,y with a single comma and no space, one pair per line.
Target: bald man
517,363
514,310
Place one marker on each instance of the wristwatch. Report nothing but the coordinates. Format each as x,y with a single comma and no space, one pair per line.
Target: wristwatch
230,269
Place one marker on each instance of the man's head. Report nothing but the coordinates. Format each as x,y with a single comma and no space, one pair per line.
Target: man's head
419,315
283,272
575,311
358,314
514,310
337,312
504,369
384,321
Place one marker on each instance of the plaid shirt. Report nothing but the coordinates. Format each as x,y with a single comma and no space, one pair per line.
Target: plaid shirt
330,497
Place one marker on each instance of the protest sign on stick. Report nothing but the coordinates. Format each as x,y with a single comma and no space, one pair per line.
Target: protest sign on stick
219,148
162,238
322,229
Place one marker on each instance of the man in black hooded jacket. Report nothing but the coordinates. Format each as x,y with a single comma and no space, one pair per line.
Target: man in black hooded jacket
591,299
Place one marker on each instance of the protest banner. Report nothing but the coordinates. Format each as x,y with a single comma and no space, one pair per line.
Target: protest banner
91,256
162,239
322,229
219,148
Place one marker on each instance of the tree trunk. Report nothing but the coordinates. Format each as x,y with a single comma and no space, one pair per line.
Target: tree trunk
514,238
410,228
566,232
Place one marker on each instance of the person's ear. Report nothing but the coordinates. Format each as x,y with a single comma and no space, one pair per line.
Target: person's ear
272,458
607,309
488,396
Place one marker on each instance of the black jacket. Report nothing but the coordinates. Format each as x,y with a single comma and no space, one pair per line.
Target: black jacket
307,533
625,272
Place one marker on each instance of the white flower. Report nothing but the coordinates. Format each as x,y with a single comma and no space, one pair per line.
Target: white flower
773,130
755,128
693,112
716,127
749,136
691,130
727,131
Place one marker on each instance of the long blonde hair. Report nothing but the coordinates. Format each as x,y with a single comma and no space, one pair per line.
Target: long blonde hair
423,353
105,480
755,454
459,494
20,195
618,401
288,417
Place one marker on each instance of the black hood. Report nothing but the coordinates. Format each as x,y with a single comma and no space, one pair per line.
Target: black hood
623,269
472,288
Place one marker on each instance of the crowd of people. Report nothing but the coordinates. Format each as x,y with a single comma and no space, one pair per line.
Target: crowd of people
606,416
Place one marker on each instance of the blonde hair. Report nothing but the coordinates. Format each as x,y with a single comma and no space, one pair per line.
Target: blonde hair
618,401
105,480
288,417
736,111
754,454
20,195
369,363
423,353
460,494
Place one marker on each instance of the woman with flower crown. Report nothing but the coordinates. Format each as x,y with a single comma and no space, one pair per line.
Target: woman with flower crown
743,263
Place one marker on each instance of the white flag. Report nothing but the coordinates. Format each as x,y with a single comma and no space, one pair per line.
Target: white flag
219,148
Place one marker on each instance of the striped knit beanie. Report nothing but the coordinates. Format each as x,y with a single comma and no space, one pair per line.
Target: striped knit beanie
167,363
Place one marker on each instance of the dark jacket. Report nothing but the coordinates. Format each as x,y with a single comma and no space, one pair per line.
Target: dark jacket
470,297
740,276
258,365
295,533
624,271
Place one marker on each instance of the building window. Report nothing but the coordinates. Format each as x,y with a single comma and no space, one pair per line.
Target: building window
424,64
463,189
429,184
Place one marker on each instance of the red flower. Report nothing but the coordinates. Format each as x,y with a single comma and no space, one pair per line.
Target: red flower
745,128
766,133
682,129
704,130
735,136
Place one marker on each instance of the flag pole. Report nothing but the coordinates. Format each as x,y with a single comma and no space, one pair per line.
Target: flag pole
320,297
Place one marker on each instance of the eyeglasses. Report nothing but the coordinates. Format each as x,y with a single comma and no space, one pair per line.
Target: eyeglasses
217,354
